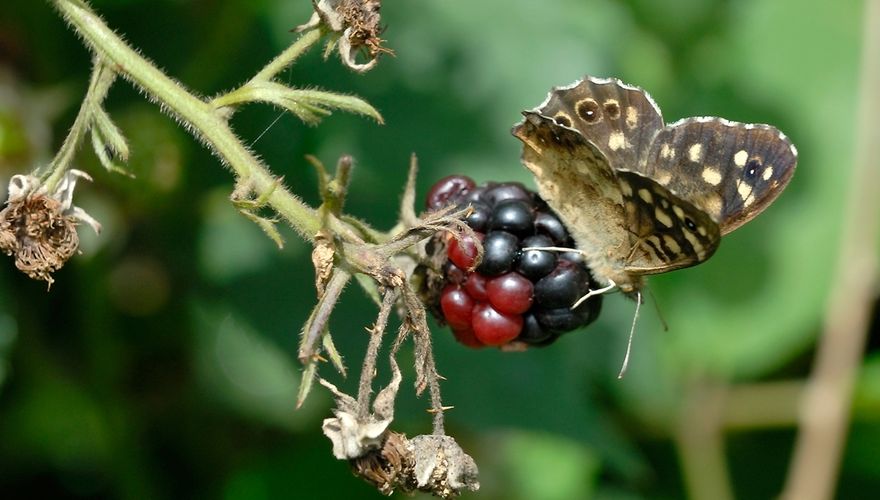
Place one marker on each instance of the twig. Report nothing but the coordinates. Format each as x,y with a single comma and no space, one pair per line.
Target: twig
368,372
826,406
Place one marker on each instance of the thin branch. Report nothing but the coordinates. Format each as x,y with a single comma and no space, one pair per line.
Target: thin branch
317,323
826,406
289,55
368,372
197,116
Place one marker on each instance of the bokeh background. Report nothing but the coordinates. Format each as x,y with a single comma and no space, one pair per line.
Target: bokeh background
162,363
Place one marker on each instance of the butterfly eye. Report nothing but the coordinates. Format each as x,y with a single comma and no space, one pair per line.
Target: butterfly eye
690,224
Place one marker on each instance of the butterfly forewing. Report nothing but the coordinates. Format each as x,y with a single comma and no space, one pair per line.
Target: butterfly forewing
618,119
730,170
666,232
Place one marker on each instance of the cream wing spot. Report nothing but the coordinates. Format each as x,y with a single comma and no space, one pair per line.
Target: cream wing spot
632,117
662,217
645,195
740,158
749,201
678,212
713,205
663,178
695,243
768,172
671,244
626,189
744,191
695,152
712,175
666,152
616,141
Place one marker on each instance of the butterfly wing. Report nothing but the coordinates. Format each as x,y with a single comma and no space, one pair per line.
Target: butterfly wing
618,119
574,177
666,232
730,170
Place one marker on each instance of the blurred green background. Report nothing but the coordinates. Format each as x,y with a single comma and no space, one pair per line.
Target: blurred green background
162,362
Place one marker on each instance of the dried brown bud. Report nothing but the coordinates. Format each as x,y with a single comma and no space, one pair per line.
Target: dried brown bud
38,229
38,235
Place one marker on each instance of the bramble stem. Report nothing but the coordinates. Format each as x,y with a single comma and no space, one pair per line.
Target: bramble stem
196,115
290,54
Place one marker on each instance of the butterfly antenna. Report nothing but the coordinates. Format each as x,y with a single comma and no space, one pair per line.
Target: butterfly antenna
632,332
659,311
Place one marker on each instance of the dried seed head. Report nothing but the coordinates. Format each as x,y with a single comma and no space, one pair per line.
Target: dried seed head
38,229
358,24
442,467
38,235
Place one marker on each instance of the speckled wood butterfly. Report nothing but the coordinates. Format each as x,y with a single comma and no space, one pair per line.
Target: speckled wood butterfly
640,197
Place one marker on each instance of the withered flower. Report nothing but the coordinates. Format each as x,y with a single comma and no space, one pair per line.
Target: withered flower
38,229
356,22
389,460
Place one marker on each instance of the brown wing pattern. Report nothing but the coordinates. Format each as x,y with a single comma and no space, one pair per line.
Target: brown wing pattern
618,119
730,170
666,232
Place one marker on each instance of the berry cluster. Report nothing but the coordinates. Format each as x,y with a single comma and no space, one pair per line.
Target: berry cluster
512,294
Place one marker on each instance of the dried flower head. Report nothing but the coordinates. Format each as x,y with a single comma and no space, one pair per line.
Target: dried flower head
357,22
38,229
389,460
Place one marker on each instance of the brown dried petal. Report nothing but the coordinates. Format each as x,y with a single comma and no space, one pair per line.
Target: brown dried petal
389,467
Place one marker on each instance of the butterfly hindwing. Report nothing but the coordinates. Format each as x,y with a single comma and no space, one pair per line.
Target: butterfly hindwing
730,170
666,232
618,119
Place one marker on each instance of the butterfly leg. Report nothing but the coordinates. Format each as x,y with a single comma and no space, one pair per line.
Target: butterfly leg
554,249
593,293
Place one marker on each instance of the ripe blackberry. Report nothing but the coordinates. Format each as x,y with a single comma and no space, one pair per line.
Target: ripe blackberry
512,294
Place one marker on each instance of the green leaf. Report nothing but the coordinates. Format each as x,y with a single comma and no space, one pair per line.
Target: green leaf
110,133
333,100
101,151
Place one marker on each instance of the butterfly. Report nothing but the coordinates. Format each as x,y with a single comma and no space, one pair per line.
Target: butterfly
640,197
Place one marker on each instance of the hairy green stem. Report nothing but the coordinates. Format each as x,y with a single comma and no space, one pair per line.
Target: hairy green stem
289,55
196,115
99,84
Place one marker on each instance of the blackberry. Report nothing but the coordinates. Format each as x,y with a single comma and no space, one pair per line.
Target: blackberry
512,294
